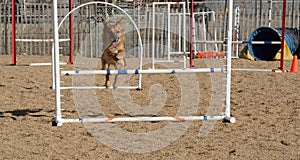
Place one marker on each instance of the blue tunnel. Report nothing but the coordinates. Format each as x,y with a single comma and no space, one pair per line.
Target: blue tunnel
268,51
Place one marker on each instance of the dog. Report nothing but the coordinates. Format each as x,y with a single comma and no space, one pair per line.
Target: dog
114,53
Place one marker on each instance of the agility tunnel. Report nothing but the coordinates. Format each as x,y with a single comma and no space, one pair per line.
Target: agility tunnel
264,44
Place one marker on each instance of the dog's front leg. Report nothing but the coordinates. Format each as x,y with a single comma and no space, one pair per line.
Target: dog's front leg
116,76
120,56
107,82
105,66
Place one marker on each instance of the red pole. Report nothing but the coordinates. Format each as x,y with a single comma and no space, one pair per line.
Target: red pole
13,34
191,32
282,35
71,57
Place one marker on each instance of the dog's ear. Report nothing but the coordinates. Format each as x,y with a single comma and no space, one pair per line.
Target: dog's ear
121,21
105,21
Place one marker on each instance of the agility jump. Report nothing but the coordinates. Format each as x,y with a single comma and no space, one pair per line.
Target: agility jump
59,120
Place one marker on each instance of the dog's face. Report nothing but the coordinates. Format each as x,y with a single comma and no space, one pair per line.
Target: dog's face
114,32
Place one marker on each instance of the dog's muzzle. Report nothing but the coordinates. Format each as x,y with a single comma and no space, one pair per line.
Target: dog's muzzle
115,42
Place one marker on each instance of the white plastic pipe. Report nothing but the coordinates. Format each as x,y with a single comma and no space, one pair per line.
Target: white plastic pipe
229,52
41,40
143,119
56,70
150,71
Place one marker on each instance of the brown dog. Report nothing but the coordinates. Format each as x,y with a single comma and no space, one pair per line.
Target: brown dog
113,42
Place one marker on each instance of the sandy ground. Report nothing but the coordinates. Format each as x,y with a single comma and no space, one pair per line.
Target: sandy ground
265,105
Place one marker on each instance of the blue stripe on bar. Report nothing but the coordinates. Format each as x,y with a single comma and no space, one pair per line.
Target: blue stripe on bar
136,71
268,42
245,42
205,118
251,42
107,72
122,71
76,71
212,70
173,71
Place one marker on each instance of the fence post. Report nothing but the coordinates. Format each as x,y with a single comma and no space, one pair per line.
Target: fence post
13,34
71,56
282,35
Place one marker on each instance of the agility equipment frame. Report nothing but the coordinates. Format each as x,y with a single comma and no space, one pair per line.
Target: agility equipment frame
14,39
58,120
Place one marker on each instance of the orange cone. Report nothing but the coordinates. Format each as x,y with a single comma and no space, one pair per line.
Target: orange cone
294,68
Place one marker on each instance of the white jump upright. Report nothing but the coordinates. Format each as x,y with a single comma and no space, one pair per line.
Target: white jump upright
204,32
56,66
229,52
181,32
237,29
59,120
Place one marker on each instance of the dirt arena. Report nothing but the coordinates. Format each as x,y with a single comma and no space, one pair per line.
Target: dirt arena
266,106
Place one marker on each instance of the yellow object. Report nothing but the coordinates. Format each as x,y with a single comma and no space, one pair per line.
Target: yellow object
287,54
246,54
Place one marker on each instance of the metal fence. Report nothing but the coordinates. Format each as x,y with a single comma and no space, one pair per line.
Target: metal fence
34,21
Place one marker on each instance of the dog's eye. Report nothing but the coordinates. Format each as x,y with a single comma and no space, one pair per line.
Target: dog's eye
118,32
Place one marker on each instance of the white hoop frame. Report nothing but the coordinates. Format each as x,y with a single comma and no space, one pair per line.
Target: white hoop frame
55,54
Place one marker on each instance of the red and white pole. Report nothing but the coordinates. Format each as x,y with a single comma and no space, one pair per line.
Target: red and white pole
71,56
13,33
282,35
